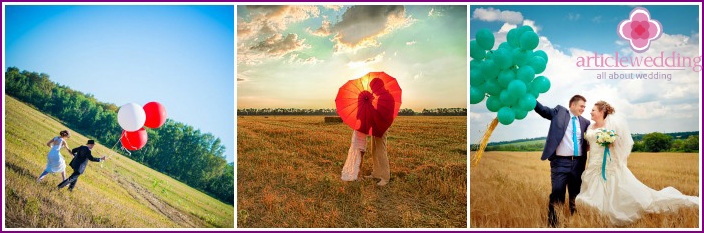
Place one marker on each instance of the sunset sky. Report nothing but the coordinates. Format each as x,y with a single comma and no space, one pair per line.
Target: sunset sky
299,56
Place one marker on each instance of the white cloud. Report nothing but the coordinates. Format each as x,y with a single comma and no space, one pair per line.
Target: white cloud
362,25
278,45
573,16
418,76
333,7
411,42
597,19
259,33
490,15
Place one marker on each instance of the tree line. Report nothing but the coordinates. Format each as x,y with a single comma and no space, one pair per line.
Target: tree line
333,112
652,142
175,149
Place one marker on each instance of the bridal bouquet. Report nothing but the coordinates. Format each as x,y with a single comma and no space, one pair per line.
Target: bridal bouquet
604,137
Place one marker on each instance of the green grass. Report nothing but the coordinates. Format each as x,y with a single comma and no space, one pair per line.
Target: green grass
289,171
526,143
118,192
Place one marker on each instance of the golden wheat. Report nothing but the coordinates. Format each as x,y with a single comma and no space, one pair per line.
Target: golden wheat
288,171
511,189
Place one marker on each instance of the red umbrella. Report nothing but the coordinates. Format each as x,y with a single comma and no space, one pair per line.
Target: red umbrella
369,104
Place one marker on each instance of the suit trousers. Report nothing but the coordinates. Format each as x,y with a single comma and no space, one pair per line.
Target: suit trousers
565,175
380,161
71,181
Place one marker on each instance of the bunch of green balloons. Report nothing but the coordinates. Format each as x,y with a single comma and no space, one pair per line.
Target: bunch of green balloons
506,76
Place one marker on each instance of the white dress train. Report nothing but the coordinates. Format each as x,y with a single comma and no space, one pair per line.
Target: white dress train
621,196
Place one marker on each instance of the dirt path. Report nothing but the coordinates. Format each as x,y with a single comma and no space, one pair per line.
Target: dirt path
143,195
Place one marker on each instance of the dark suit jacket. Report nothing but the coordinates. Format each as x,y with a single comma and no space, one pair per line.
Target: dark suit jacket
80,159
559,119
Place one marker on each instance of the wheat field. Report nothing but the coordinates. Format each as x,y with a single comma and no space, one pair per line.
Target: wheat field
116,193
511,190
288,171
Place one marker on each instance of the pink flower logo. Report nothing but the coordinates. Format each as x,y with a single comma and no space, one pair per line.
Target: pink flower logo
640,29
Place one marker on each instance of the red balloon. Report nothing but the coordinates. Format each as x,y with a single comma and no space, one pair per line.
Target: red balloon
156,115
134,140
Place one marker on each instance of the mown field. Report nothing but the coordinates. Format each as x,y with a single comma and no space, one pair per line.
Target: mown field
511,189
115,193
288,171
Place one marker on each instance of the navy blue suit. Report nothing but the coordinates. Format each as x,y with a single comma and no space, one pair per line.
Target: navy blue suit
565,172
81,156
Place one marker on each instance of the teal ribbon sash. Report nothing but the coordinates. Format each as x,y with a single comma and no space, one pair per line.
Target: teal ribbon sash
607,153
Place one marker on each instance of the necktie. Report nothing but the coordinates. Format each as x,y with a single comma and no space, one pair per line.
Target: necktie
574,136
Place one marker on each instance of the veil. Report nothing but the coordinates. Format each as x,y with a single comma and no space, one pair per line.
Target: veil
624,143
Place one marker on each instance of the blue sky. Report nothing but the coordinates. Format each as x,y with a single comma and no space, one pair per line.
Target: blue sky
591,26
180,56
569,32
299,56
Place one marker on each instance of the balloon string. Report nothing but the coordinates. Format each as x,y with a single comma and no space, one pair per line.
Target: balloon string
485,139
122,147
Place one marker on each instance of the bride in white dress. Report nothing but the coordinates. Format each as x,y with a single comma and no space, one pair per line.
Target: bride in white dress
55,161
618,193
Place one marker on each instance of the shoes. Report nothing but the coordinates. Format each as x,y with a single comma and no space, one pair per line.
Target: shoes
382,182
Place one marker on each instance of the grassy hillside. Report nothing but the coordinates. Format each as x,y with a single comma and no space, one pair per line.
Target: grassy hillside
289,170
115,193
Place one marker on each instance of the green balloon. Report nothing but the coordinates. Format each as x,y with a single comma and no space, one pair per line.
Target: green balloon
541,84
542,54
489,55
506,76
506,46
520,114
475,64
527,102
503,58
485,39
476,78
525,74
517,88
538,64
513,38
476,95
523,29
521,57
492,87
533,92
529,40
475,51
507,99
493,103
490,69
506,116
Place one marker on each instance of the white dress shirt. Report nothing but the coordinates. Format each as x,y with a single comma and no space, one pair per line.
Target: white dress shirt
566,147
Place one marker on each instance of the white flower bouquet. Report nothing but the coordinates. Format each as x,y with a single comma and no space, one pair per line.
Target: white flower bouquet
604,137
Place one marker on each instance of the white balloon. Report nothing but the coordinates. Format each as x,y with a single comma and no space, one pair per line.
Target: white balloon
131,117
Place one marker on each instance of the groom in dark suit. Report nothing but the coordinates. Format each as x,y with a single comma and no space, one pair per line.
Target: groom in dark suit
566,148
81,155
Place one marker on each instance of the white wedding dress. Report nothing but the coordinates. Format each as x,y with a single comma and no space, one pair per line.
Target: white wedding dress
622,197
350,170
55,162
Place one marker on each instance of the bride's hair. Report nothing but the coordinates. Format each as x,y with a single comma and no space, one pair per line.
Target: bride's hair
605,107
